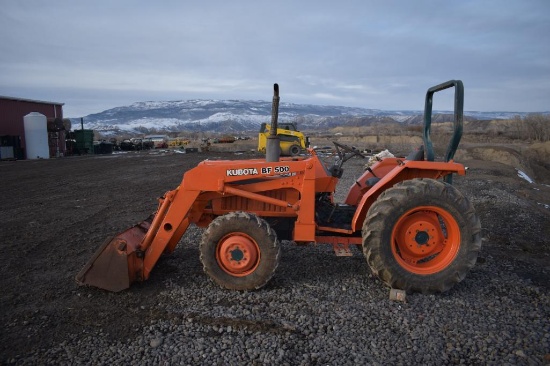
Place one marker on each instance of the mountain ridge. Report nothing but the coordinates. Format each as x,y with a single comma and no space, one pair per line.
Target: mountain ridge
233,116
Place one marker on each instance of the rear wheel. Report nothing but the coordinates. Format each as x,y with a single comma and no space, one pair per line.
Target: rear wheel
421,235
294,150
239,251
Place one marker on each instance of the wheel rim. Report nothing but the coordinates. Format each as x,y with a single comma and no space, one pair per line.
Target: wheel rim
425,240
238,254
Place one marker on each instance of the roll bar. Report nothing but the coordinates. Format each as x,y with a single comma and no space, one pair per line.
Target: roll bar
457,123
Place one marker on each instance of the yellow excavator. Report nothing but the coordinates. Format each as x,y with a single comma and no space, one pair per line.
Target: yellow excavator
291,141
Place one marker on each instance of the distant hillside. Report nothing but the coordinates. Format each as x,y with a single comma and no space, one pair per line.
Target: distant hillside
235,116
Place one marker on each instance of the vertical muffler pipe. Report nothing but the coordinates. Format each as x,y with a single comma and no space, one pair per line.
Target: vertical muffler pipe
273,147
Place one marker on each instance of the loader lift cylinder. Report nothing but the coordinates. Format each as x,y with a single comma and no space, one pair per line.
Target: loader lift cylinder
273,148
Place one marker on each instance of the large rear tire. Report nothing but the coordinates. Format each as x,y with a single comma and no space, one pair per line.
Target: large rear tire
239,251
421,235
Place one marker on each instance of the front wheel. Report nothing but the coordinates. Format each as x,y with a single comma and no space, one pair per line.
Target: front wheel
421,235
240,251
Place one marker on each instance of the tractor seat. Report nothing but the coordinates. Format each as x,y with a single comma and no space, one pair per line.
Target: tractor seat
417,154
372,181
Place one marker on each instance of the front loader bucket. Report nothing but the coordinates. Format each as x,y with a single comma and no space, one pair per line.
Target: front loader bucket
118,262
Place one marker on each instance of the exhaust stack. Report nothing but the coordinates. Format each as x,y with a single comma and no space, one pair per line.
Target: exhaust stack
273,147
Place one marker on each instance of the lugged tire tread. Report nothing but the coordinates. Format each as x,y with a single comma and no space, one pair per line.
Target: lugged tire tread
225,224
377,221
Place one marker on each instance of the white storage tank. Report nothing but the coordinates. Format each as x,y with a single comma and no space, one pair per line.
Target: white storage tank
36,136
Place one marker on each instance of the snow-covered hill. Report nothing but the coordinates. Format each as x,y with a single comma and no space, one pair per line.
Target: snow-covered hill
230,116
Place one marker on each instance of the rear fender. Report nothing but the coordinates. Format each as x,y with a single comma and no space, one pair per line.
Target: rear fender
403,171
379,170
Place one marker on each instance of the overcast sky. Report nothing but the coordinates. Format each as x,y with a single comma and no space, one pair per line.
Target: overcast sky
96,55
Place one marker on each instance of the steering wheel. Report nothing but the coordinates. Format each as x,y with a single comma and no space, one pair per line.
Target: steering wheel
347,148
345,153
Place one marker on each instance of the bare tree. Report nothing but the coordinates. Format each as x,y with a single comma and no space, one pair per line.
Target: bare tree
537,127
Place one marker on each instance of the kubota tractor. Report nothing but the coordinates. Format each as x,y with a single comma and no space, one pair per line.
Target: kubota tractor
416,230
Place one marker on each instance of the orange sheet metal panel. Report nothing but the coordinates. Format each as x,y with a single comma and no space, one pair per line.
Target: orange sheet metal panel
236,203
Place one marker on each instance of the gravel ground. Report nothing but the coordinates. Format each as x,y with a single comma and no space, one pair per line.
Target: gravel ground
317,309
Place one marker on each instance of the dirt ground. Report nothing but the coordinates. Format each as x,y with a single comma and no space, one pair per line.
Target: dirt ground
55,213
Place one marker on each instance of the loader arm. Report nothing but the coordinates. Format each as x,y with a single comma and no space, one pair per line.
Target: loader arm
167,228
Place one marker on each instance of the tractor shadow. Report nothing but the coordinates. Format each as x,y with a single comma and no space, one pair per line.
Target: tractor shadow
317,263
298,265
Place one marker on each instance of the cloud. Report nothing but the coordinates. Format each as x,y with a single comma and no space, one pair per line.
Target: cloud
369,54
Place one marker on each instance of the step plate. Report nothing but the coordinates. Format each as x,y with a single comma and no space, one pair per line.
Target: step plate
342,250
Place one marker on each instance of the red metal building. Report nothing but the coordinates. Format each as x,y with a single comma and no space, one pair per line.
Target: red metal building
12,111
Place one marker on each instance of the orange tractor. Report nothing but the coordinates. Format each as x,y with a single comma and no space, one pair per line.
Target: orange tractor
416,230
